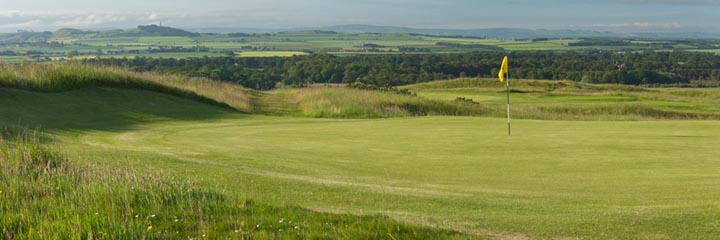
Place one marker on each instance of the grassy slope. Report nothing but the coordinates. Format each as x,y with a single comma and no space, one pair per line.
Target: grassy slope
551,100
109,199
563,100
623,180
65,77
546,100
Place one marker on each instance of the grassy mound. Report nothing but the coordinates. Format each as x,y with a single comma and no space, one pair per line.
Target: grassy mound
62,200
66,77
522,85
107,109
340,102
310,102
565,100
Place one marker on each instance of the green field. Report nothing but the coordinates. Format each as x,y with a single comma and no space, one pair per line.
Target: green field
13,59
716,51
273,44
649,178
270,54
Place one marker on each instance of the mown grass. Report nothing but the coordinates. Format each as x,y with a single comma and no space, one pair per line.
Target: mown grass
551,179
72,76
566,100
45,196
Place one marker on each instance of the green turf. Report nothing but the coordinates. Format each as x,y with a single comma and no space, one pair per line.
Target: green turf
716,51
551,179
43,195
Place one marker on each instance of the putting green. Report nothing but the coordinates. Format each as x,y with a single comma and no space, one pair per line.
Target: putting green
550,179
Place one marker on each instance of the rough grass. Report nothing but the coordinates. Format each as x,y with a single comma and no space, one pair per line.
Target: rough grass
523,85
531,99
71,76
566,100
45,196
340,102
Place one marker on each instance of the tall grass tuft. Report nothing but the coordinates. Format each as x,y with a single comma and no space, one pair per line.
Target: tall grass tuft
322,102
45,196
523,85
71,76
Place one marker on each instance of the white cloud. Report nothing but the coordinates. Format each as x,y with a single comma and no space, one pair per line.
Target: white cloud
31,23
88,20
12,20
638,25
151,16
22,25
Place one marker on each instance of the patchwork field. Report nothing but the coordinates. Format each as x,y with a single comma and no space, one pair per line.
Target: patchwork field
13,59
651,177
131,43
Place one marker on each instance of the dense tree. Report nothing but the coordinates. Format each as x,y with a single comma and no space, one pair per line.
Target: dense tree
394,70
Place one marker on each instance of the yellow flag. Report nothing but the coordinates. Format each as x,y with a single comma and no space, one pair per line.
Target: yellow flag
503,69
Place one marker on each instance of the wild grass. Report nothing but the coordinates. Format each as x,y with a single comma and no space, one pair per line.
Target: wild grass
531,99
340,102
71,76
45,196
524,85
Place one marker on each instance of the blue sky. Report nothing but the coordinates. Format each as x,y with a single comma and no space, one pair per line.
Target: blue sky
612,15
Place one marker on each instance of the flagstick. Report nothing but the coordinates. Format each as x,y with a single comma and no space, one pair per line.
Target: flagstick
507,87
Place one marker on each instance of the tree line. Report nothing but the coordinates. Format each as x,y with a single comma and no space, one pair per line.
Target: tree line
399,69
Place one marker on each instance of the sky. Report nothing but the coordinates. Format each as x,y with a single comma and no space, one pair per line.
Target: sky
604,15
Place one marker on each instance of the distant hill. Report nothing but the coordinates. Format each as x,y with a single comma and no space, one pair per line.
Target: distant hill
67,33
161,31
140,31
517,33
489,32
71,33
24,36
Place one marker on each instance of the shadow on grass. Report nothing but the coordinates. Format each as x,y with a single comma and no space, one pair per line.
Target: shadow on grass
685,136
106,109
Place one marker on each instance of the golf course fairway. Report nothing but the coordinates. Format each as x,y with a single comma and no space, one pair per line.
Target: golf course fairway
550,179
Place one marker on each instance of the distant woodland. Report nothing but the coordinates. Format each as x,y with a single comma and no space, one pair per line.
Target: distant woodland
658,68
